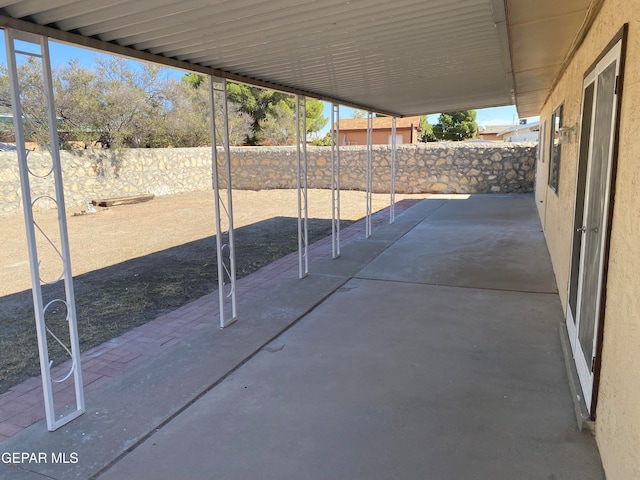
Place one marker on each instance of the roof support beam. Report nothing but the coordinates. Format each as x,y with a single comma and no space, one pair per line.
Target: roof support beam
392,187
369,180
303,213
335,180
499,11
224,271
71,375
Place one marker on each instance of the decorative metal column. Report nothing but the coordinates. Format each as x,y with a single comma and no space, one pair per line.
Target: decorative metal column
225,250
26,46
303,216
369,174
392,187
335,180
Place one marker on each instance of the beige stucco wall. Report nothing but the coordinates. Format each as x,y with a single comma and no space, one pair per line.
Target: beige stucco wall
618,410
542,171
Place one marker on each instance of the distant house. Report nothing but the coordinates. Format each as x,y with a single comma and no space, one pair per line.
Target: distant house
490,132
353,131
524,132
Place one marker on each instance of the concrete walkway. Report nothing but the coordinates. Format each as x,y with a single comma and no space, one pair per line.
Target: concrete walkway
430,351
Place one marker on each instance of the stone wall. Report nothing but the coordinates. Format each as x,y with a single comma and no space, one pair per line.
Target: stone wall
423,168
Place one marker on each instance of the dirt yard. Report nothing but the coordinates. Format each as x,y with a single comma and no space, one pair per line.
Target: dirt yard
132,263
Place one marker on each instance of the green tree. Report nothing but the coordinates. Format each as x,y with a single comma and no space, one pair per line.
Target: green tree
456,126
315,120
279,126
77,100
119,105
195,80
257,103
116,105
33,100
426,130
187,119
268,106
5,93
324,141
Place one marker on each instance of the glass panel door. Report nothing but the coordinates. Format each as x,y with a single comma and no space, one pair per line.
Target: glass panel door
585,142
595,209
591,235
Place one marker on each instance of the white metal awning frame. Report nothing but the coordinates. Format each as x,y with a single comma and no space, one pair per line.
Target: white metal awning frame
37,47
225,242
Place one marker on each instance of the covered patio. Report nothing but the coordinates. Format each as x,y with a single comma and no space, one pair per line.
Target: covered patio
430,350
352,54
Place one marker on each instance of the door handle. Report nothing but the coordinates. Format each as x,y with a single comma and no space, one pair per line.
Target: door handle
594,229
581,229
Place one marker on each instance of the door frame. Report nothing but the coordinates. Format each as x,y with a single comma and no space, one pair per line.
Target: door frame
591,402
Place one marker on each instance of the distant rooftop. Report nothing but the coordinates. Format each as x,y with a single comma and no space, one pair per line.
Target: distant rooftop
378,122
489,129
524,127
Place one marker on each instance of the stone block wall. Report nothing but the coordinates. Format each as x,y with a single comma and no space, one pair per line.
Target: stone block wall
423,168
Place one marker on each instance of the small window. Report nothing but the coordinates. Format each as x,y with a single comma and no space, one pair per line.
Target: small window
542,143
555,149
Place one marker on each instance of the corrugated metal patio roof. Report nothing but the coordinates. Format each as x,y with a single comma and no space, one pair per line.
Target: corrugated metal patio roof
404,57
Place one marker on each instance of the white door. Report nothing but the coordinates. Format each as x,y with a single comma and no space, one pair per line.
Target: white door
591,235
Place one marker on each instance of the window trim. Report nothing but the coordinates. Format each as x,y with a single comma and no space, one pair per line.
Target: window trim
542,142
555,149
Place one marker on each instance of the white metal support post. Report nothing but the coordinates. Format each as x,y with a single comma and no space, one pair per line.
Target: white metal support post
369,174
303,215
335,180
225,251
392,187
24,46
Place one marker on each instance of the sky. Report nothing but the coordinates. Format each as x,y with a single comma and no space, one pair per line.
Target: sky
62,54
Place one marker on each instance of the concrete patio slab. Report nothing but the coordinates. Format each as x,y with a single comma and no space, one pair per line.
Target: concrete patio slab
482,242
131,406
356,372
388,380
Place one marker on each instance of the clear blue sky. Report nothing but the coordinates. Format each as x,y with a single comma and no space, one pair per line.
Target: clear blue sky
61,54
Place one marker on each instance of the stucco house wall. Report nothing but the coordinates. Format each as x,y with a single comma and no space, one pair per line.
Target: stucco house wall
378,136
618,407
353,131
